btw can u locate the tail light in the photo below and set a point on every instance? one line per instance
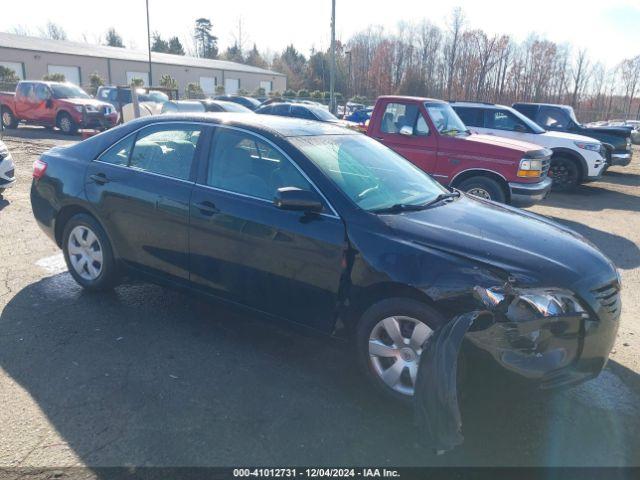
(39, 167)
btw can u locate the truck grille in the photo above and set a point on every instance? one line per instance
(546, 163)
(609, 298)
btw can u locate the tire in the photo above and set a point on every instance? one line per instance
(9, 120)
(565, 174)
(484, 187)
(66, 124)
(372, 328)
(81, 253)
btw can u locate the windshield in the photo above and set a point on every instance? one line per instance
(323, 115)
(373, 176)
(68, 90)
(527, 121)
(445, 119)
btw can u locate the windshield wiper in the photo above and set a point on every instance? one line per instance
(412, 207)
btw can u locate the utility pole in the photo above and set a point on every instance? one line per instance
(332, 72)
(149, 45)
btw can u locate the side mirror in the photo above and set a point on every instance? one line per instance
(293, 198)
(407, 131)
(48, 103)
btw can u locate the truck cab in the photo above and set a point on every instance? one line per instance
(430, 134)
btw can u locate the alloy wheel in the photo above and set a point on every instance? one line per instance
(395, 346)
(480, 192)
(85, 252)
(6, 119)
(561, 175)
(65, 124)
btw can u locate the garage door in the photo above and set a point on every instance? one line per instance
(208, 85)
(15, 66)
(231, 85)
(71, 74)
(143, 75)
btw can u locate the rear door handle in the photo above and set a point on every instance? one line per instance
(207, 208)
(99, 178)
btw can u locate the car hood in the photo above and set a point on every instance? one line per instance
(569, 136)
(614, 131)
(85, 101)
(533, 249)
(503, 142)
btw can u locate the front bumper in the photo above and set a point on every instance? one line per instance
(527, 194)
(621, 159)
(7, 173)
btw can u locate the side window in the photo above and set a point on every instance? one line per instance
(280, 110)
(501, 120)
(166, 150)
(119, 153)
(242, 163)
(301, 112)
(552, 118)
(471, 117)
(42, 93)
(398, 115)
(24, 89)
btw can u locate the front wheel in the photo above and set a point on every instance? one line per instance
(484, 187)
(564, 173)
(88, 253)
(390, 338)
(66, 124)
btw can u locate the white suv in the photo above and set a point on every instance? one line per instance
(7, 172)
(576, 159)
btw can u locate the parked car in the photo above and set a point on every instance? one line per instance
(323, 226)
(360, 116)
(250, 103)
(54, 104)
(576, 158)
(304, 111)
(119, 96)
(430, 134)
(562, 118)
(206, 105)
(7, 169)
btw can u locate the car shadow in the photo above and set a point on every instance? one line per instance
(31, 132)
(147, 376)
(624, 253)
(3, 203)
(600, 199)
(621, 178)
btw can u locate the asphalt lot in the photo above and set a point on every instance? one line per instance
(147, 376)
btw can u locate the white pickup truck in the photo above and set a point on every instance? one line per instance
(576, 159)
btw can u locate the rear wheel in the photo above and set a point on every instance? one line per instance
(9, 120)
(390, 338)
(484, 187)
(565, 174)
(66, 124)
(88, 253)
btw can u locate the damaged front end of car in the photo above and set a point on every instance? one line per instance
(547, 335)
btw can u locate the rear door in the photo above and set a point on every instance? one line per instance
(246, 250)
(141, 189)
(420, 146)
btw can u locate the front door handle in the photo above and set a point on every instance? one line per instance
(99, 178)
(379, 138)
(207, 208)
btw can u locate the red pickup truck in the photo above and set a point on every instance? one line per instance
(54, 104)
(430, 134)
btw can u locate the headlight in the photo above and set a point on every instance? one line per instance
(530, 168)
(78, 108)
(90, 108)
(594, 147)
(521, 303)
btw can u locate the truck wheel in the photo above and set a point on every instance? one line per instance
(66, 124)
(484, 187)
(390, 337)
(8, 118)
(564, 173)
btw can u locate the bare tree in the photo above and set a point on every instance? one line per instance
(452, 44)
(580, 76)
(53, 31)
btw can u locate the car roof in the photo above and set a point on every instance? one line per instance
(407, 97)
(461, 103)
(270, 124)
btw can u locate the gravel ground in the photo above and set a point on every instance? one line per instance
(147, 376)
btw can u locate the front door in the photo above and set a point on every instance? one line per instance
(418, 145)
(246, 250)
(141, 188)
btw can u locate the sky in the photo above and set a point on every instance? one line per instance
(609, 30)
